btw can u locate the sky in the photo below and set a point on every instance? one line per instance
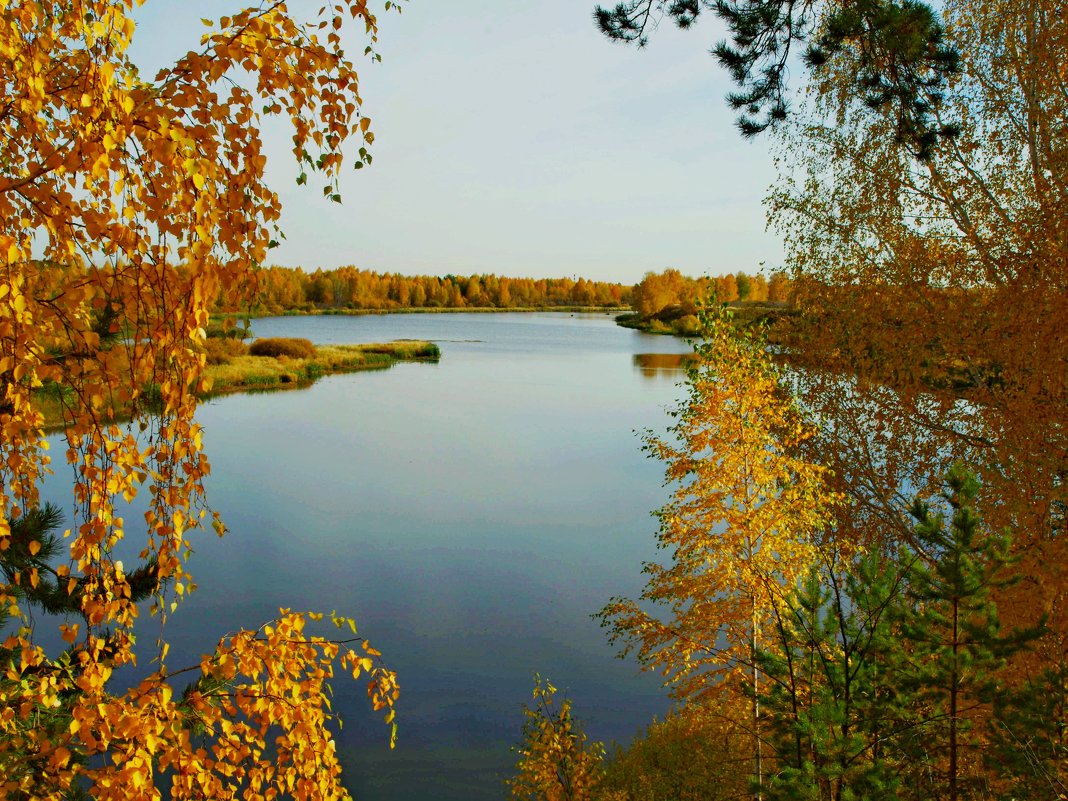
(513, 138)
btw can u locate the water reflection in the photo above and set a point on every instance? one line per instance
(660, 366)
(470, 516)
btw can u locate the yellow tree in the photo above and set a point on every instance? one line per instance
(556, 763)
(741, 526)
(696, 753)
(128, 206)
(655, 292)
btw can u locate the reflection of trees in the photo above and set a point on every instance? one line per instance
(662, 365)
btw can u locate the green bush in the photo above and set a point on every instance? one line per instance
(283, 346)
(313, 371)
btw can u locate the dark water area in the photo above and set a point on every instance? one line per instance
(471, 515)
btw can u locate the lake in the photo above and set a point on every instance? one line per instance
(471, 515)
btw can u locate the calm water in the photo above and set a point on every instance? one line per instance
(471, 515)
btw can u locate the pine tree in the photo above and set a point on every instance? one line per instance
(953, 631)
(893, 54)
(830, 705)
(883, 669)
(27, 566)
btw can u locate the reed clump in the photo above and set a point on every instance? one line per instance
(290, 347)
(261, 369)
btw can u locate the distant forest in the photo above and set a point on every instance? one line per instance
(284, 289)
(670, 290)
(288, 289)
(669, 302)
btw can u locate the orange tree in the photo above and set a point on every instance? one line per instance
(941, 286)
(925, 231)
(127, 206)
(933, 303)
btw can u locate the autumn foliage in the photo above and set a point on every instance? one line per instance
(742, 523)
(288, 289)
(127, 207)
(921, 653)
(658, 293)
(556, 760)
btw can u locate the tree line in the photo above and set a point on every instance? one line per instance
(669, 290)
(669, 302)
(280, 289)
(284, 289)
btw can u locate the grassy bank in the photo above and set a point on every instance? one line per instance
(234, 366)
(683, 322)
(243, 372)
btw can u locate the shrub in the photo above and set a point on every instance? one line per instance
(228, 329)
(224, 350)
(283, 346)
(689, 325)
(694, 754)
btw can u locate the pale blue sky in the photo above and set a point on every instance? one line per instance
(513, 138)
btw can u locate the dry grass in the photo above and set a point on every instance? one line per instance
(250, 372)
(221, 350)
(232, 369)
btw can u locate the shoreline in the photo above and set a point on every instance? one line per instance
(255, 374)
(682, 323)
(218, 316)
(248, 373)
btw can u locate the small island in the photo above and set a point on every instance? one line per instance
(289, 363)
(233, 365)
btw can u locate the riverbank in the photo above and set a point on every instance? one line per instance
(247, 372)
(683, 322)
(234, 367)
(218, 317)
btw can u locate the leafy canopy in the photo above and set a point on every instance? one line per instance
(742, 521)
(128, 205)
